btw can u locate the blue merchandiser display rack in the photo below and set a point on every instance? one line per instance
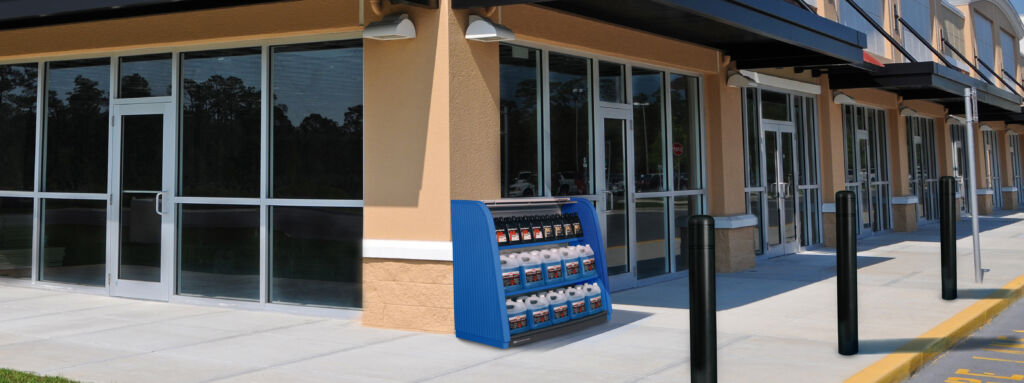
(480, 313)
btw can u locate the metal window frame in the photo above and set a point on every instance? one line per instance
(265, 203)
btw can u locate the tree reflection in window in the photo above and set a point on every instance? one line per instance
(17, 126)
(76, 126)
(317, 141)
(220, 135)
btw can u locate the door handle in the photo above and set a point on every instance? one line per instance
(158, 203)
(609, 197)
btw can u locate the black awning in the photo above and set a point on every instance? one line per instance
(34, 13)
(756, 33)
(928, 81)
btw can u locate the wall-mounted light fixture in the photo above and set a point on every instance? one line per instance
(843, 98)
(906, 111)
(738, 80)
(392, 27)
(484, 30)
(952, 119)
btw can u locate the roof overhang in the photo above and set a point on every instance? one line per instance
(34, 13)
(927, 81)
(755, 33)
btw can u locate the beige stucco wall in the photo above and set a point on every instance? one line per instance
(270, 20)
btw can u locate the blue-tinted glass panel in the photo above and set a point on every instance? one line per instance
(219, 251)
(17, 126)
(145, 76)
(318, 120)
(220, 130)
(77, 98)
(570, 100)
(16, 238)
(648, 130)
(316, 256)
(74, 242)
(686, 145)
(984, 45)
(520, 121)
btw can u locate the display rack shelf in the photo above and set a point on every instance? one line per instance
(539, 244)
(480, 313)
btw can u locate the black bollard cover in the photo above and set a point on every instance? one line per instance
(703, 337)
(947, 233)
(846, 270)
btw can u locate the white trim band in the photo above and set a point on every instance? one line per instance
(905, 200)
(399, 249)
(828, 207)
(1009, 189)
(782, 83)
(986, 192)
(735, 221)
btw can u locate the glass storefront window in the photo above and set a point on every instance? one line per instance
(683, 208)
(571, 103)
(316, 256)
(77, 99)
(651, 227)
(16, 238)
(145, 76)
(220, 130)
(648, 130)
(875, 9)
(984, 45)
(317, 139)
(74, 240)
(18, 88)
(219, 251)
(520, 121)
(612, 82)
(1008, 47)
(686, 140)
(775, 106)
(752, 138)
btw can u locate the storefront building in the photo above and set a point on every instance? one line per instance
(291, 156)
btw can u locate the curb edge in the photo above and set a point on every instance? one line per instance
(909, 358)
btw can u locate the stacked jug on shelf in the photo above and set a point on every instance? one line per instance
(552, 307)
(538, 228)
(530, 269)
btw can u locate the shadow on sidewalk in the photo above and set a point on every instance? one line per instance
(620, 318)
(916, 345)
(770, 278)
(983, 293)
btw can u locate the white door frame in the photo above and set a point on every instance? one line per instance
(778, 128)
(625, 113)
(138, 289)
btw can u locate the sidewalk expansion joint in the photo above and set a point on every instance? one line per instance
(904, 362)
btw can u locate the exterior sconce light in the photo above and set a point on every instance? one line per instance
(842, 98)
(484, 30)
(738, 80)
(392, 27)
(908, 112)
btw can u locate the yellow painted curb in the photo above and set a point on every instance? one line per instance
(898, 366)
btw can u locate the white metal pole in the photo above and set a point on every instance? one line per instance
(971, 108)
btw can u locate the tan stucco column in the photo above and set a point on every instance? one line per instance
(432, 135)
(904, 211)
(833, 165)
(734, 234)
(1006, 165)
(985, 200)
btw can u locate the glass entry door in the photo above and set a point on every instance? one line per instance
(781, 231)
(616, 190)
(141, 218)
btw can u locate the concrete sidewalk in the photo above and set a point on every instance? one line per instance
(776, 323)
